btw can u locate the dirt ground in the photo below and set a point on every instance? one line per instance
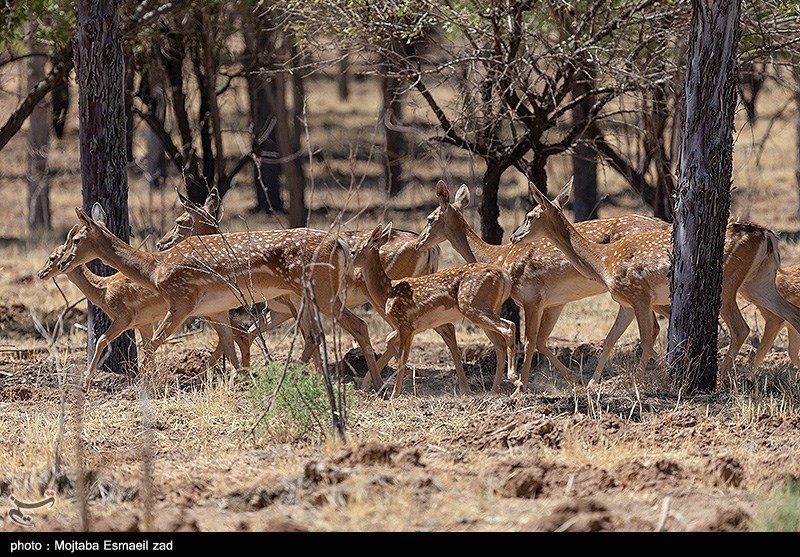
(624, 458)
(630, 456)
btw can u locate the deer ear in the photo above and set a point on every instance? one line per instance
(98, 213)
(212, 203)
(462, 196)
(84, 218)
(537, 197)
(387, 232)
(376, 233)
(72, 232)
(564, 194)
(443, 194)
(187, 203)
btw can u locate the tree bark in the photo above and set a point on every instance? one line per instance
(289, 152)
(101, 103)
(60, 106)
(394, 144)
(38, 144)
(266, 170)
(342, 78)
(703, 202)
(584, 157)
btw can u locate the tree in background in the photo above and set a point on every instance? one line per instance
(38, 143)
(100, 72)
(704, 194)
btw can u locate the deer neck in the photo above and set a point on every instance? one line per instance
(587, 257)
(92, 285)
(379, 285)
(139, 266)
(473, 248)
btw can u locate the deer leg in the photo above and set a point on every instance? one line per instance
(117, 327)
(772, 326)
(737, 328)
(533, 316)
(146, 332)
(222, 325)
(623, 320)
(448, 334)
(644, 319)
(549, 318)
(506, 331)
(405, 349)
(359, 331)
(794, 346)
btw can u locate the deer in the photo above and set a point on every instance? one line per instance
(209, 275)
(787, 282)
(635, 270)
(128, 305)
(473, 291)
(398, 253)
(543, 279)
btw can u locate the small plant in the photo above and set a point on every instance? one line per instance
(780, 512)
(300, 409)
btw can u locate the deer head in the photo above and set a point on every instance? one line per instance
(379, 236)
(50, 268)
(82, 245)
(541, 217)
(196, 220)
(445, 217)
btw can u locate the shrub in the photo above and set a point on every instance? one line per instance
(301, 409)
(781, 511)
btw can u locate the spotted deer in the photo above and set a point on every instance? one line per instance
(543, 280)
(209, 275)
(399, 257)
(635, 270)
(128, 305)
(474, 291)
(787, 282)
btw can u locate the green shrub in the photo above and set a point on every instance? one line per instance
(301, 409)
(781, 510)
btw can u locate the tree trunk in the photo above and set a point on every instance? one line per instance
(101, 103)
(584, 157)
(292, 172)
(342, 81)
(38, 143)
(155, 156)
(266, 170)
(394, 144)
(703, 203)
(797, 134)
(60, 106)
(664, 181)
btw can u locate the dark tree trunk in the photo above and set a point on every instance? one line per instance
(289, 153)
(394, 143)
(489, 209)
(266, 170)
(38, 144)
(173, 54)
(664, 180)
(101, 83)
(130, 83)
(584, 157)
(703, 203)
(342, 78)
(60, 105)
(155, 156)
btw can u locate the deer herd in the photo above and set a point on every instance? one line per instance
(303, 272)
